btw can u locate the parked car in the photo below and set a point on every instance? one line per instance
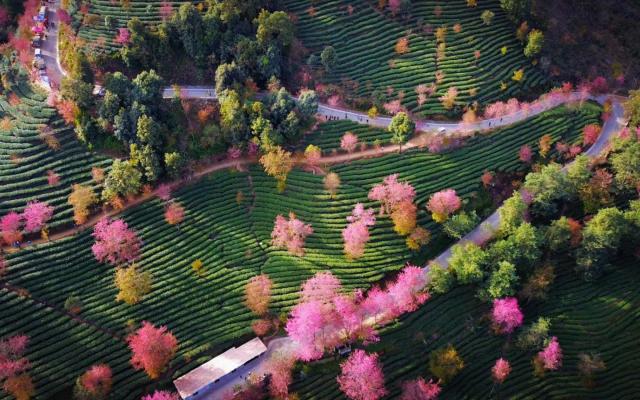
(36, 42)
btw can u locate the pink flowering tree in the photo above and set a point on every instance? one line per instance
(152, 348)
(525, 154)
(506, 314)
(10, 227)
(349, 142)
(590, 134)
(290, 234)
(500, 370)
(36, 215)
(161, 395)
(279, 366)
(443, 203)
(390, 193)
(407, 291)
(12, 360)
(95, 383)
(356, 234)
(305, 327)
(53, 179)
(166, 9)
(115, 242)
(164, 192)
(361, 377)
(420, 390)
(551, 356)
(123, 36)
(322, 287)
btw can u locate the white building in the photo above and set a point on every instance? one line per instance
(208, 374)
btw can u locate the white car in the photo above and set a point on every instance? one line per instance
(442, 129)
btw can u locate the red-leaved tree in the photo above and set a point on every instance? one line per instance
(361, 377)
(290, 234)
(280, 366)
(10, 227)
(115, 242)
(95, 383)
(590, 134)
(525, 154)
(174, 213)
(152, 348)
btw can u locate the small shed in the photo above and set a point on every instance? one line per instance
(208, 374)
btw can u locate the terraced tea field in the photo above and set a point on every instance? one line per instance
(96, 30)
(232, 238)
(364, 39)
(584, 316)
(26, 158)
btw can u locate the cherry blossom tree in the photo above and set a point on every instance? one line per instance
(500, 370)
(164, 192)
(305, 326)
(53, 179)
(166, 9)
(361, 377)
(322, 287)
(161, 395)
(551, 355)
(10, 227)
(258, 294)
(443, 203)
(94, 384)
(525, 154)
(36, 215)
(408, 289)
(290, 234)
(506, 314)
(356, 234)
(14, 366)
(279, 366)
(420, 390)
(152, 348)
(174, 213)
(115, 242)
(349, 142)
(391, 193)
(123, 36)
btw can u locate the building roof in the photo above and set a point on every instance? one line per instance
(218, 367)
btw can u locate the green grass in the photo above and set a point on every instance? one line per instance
(25, 158)
(206, 313)
(599, 317)
(365, 45)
